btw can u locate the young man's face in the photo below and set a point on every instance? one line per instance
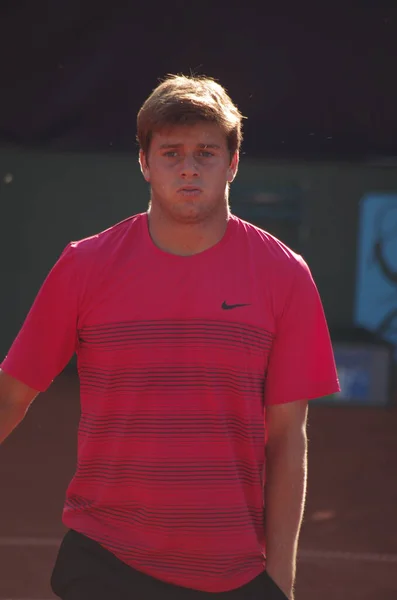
(189, 169)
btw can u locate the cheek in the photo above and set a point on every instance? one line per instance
(161, 178)
(153, 172)
(219, 177)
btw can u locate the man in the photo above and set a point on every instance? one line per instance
(199, 339)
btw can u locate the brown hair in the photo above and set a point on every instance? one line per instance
(183, 100)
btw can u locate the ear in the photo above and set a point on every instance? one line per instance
(233, 167)
(144, 166)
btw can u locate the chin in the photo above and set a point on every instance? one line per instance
(191, 213)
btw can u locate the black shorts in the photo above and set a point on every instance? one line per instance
(84, 570)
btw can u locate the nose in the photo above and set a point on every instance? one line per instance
(189, 167)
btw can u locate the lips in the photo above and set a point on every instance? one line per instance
(189, 188)
(189, 191)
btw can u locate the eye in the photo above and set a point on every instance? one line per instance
(171, 154)
(205, 153)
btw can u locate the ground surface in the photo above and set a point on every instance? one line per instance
(349, 538)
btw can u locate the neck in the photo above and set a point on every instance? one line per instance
(186, 239)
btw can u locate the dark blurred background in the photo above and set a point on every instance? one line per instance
(316, 82)
(319, 170)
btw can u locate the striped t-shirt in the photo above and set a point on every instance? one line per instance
(178, 358)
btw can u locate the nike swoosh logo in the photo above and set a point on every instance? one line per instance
(226, 306)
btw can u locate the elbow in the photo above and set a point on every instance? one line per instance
(11, 412)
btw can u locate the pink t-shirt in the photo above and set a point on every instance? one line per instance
(178, 358)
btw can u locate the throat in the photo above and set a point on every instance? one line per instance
(185, 239)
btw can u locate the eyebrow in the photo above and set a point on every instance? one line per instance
(168, 146)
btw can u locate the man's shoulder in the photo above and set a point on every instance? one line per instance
(268, 248)
(107, 239)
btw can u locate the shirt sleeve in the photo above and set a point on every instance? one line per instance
(48, 337)
(301, 364)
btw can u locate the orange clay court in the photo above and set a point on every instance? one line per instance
(348, 544)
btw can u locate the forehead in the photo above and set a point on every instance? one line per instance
(190, 135)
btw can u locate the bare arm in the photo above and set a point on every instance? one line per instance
(15, 399)
(285, 489)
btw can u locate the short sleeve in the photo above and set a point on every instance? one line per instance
(301, 364)
(48, 337)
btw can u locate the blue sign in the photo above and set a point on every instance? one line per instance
(376, 291)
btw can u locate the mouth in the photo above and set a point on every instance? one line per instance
(189, 190)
